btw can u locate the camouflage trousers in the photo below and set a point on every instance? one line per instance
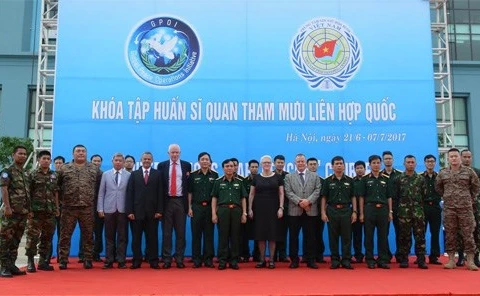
(458, 221)
(476, 236)
(40, 230)
(407, 226)
(11, 232)
(68, 221)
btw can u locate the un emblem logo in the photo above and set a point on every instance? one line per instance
(326, 53)
(163, 52)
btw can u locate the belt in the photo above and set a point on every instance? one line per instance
(377, 205)
(339, 206)
(170, 196)
(203, 203)
(230, 206)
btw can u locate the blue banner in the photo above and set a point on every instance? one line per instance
(246, 78)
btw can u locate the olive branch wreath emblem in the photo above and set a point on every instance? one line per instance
(315, 79)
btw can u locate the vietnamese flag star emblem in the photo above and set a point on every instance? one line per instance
(326, 49)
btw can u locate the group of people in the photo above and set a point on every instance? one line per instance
(268, 207)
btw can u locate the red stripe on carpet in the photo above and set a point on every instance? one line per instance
(246, 281)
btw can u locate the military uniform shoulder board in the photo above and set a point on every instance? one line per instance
(385, 175)
(348, 177)
(399, 171)
(196, 171)
(239, 178)
(220, 178)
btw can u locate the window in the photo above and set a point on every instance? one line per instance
(47, 132)
(464, 29)
(459, 120)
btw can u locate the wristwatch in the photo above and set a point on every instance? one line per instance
(281, 208)
(245, 214)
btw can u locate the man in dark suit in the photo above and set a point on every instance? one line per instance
(174, 174)
(144, 207)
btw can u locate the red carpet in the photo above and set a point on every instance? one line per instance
(246, 281)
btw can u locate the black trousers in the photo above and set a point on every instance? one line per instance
(150, 227)
(281, 246)
(433, 217)
(116, 237)
(306, 223)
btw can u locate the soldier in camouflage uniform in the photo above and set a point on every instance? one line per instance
(409, 191)
(458, 185)
(44, 200)
(15, 209)
(78, 181)
(467, 161)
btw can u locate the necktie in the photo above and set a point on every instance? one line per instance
(116, 178)
(145, 177)
(173, 180)
(302, 178)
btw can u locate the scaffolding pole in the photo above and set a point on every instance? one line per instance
(45, 73)
(442, 75)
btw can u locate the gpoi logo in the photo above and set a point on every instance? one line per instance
(326, 53)
(163, 51)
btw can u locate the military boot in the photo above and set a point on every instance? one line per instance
(470, 264)
(475, 260)
(31, 264)
(5, 271)
(16, 271)
(451, 261)
(461, 259)
(44, 265)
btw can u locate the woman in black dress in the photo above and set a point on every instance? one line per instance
(266, 201)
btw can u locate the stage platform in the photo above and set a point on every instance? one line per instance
(246, 281)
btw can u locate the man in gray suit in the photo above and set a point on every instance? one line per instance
(111, 206)
(302, 189)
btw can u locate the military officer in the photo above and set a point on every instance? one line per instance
(458, 185)
(200, 184)
(229, 210)
(45, 207)
(432, 209)
(376, 212)
(409, 191)
(357, 226)
(253, 169)
(16, 206)
(390, 171)
(339, 209)
(79, 182)
(281, 246)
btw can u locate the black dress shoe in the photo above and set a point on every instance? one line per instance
(293, 265)
(347, 266)
(45, 266)
(135, 266)
(312, 265)
(261, 264)
(271, 265)
(383, 266)
(122, 265)
(358, 260)
(404, 264)
(197, 265)
(5, 273)
(371, 266)
(87, 264)
(209, 264)
(154, 266)
(434, 261)
(107, 266)
(16, 271)
(97, 259)
(180, 265)
(222, 266)
(62, 265)
(422, 265)
(334, 265)
(167, 265)
(234, 266)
